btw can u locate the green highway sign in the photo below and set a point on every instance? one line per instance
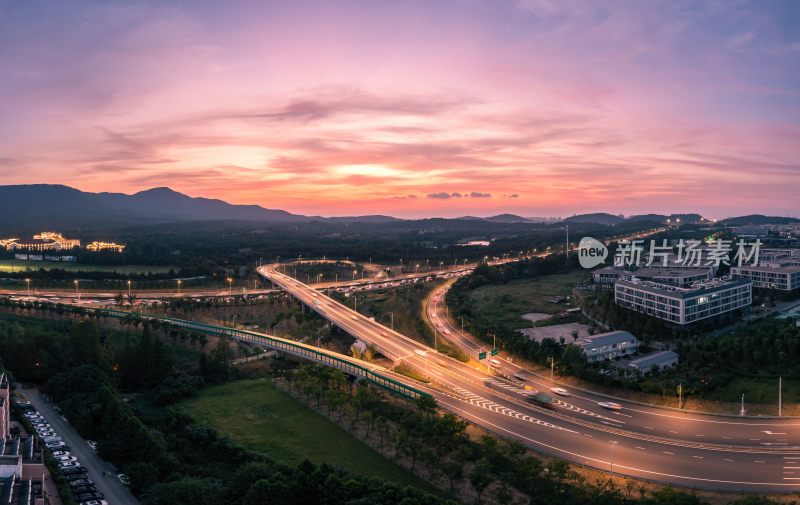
(482, 355)
(495, 351)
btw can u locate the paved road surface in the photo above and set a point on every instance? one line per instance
(644, 419)
(591, 436)
(111, 487)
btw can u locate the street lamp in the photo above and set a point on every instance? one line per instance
(230, 286)
(29, 287)
(179, 287)
(354, 275)
(129, 289)
(77, 293)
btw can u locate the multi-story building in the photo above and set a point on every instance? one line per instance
(607, 346)
(22, 471)
(676, 276)
(684, 305)
(105, 246)
(777, 274)
(45, 241)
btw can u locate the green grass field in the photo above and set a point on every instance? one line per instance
(8, 265)
(508, 302)
(256, 415)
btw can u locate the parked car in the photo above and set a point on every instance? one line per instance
(92, 444)
(59, 445)
(75, 472)
(81, 482)
(94, 502)
(126, 481)
(68, 464)
(68, 457)
(84, 489)
(97, 495)
(61, 453)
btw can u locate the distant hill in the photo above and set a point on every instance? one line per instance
(42, 206)
(661, 218)
(500, 218)
(597, 218)
(758, 219)
(507, 218)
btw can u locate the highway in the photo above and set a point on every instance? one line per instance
(578, 430)
(644, 419)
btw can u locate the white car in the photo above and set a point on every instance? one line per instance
(92, 444)
(66, 458)
(68, 464)
(61, 453)
(560, 391)
(610, 405)
(94, 502)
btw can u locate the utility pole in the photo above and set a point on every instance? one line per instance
(742, 411)
(567, 241)
(780, 400)
(680, 395)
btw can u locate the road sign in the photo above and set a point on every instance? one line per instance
(482, 355)
(495, 351)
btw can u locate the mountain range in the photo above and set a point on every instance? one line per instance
(48, 206)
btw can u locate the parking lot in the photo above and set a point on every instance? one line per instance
(90, 476)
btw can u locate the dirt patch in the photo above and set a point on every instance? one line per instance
(557, 331)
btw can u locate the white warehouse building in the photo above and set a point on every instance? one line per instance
(607, 346)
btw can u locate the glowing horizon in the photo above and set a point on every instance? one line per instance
(532, 107)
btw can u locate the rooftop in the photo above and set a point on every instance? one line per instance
(611, 337)
(694, 289)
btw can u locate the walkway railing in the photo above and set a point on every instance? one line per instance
(328, 358)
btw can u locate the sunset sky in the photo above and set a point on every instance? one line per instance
(410, 108)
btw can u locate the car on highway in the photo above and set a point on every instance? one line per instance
(542, 400)
(610, 405)
(560, 391)
(494, 362)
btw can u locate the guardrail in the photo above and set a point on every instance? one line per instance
(343, 363)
